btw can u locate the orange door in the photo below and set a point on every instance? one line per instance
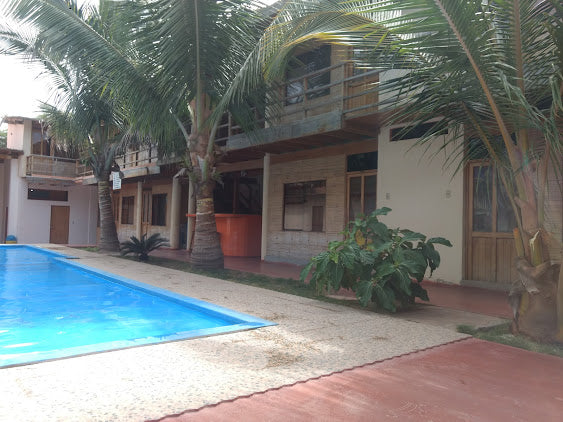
(59, 224)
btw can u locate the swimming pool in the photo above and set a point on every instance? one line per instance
(51, 308)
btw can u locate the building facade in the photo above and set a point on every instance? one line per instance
(41, 198)
(292, 187)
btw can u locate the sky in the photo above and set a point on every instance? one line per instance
(21, 88)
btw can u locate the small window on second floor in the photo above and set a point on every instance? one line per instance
(414, 132)
(304, 64)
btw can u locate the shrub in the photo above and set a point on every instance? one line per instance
(379, 264)
(141, 248)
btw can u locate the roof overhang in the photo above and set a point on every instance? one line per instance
(7, 153)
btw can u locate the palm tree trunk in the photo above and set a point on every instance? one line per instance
(108, 232)
(206, 251)
(536, 307)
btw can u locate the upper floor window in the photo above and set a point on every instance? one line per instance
(304, 64)
(40, 143)
(414, 132)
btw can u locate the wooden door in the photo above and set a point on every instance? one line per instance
(146, 211)
(59, 224)
(490, 222)
(360, 92)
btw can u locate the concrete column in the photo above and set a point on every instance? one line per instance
(191, 220)
(265, 203)
(175, 214)
(139, 211)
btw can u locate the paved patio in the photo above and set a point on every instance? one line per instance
(312, 339)
(470, 380)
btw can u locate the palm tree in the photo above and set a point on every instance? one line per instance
(193, 49)
(164, 59)
(497, 70)
(493, 69)
(86, 115)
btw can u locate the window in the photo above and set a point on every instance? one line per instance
(414, 132)
(305, 64)
(47, 195)
(127, 204)
(304, 206)
(361, 162)
(159, 210)
(362, 184)
(40, 143)
(491, 209)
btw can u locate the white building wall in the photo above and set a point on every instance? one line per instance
(29, 219)
(83, 220)
(424, 197)
(14, 198)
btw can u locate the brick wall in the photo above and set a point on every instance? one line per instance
(299, 246)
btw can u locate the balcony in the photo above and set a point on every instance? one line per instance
(44, 166)
(306, 115)
(133, 163)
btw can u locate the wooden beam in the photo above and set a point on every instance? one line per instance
(241, 165)
(323, 123)
(348, 148)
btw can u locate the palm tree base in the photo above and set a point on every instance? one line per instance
(207, 253)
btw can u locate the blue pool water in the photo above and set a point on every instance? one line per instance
(51, 307)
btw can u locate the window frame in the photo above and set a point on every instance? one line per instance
(128, 217)
(158, 217)
(285, 203)
(362, 174)
(310, 63)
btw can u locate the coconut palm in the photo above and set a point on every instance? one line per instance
(495, 68)
(490, 72)
(193, 49)
(85, 114)
(165, 59)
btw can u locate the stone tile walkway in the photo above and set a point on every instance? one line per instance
(470, 380)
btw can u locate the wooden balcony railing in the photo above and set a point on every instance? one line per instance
(350, 90)
(53, 167)
(68, 168)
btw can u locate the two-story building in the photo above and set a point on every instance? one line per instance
(41, 198)
(325, 159)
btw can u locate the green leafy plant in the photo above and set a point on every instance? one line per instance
(142, 248)
(379, 264)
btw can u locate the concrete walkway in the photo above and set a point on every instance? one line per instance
(312, 339)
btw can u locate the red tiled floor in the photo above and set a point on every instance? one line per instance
(472, 299)
(471, 380)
